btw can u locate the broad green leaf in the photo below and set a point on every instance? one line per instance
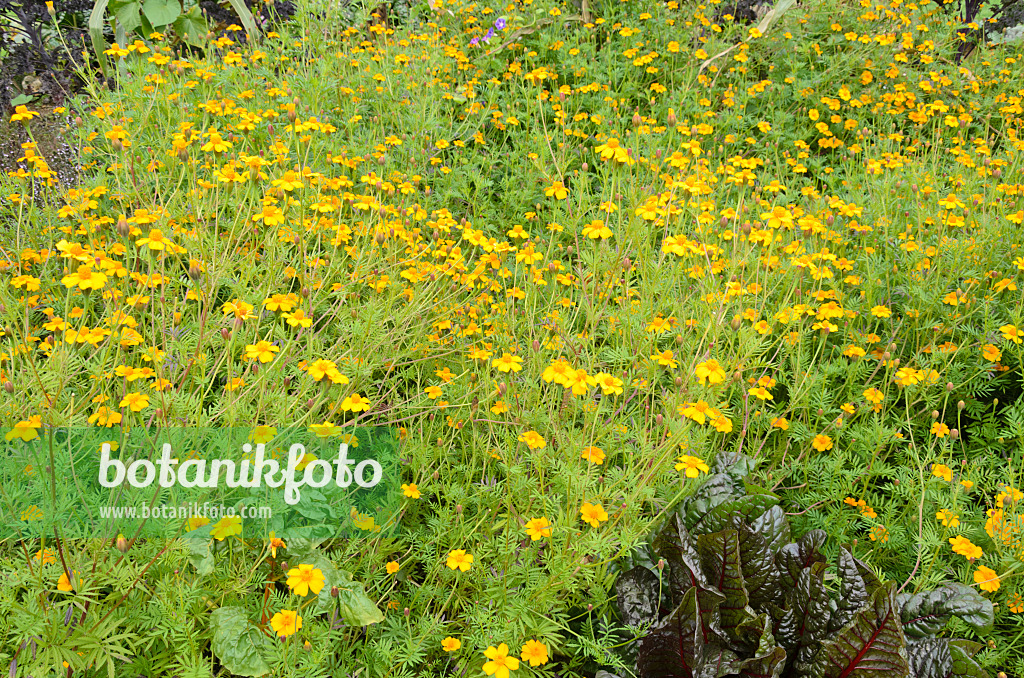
(925, 614)
(354, 606)
(760, 574)
(929, 658)
(853, 592)
(872, 644)
(769, 658)
(237, 643)
(674, 647)
(962, 652)
(729, 514)
(773, 527)
(161, 12)
(720, 560)
(201, 555)
(803, 625)
(675, 546)
(793, 558)
(638, 595)
(127, 14)
(192, 27)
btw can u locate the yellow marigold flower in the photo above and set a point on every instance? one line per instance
(262, 350)
(692, 466)
(460, 560)
(942, 471)
(136, 402)
(614, 151)
(305, 578)
(286, 622)
(874, 396)
(25, 430)
(65, 584)
(595, 455)
(450, 644)
(556, 190)
(710, 371)
(986, 578)
(881, 312)
(537, 528)
(500, 663)
(410, 490)
(939, 430)
(780, 422)
(392, 567)
(948, 518)
(22, 113)
(609, 385)
(991, 353)
(508, 363)
(593, 514)
(1011, 333)
(535, 652)
(722, 424)
(963, 546)
(533, 440)
(226, 527)
(355, 403)
(821, 443)
(596, 229)
(1015, 603)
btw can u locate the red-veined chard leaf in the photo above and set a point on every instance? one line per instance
(870, 646)
(925, 614)
(804, 622)
(792, 559)
(964, 666)
(638, 592)
(720, 558)
(853, 592)
(675, 647)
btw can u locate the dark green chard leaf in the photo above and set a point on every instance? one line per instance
(760, 574)
(720, 558)
(719, 488)
(793, 558)
(853, 592)
(872, 644)
(733, 513)
(675, 647)
(638, 593)
(746, 602)
(925, 614)
(769, 659)
(773, 527)
(675, 546)
(929, 658)
(962, 652)
(804, 622)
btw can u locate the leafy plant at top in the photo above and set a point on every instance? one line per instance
(741, 599)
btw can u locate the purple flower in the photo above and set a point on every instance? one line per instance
(490, 34)
(474, 42)
(500, 24)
